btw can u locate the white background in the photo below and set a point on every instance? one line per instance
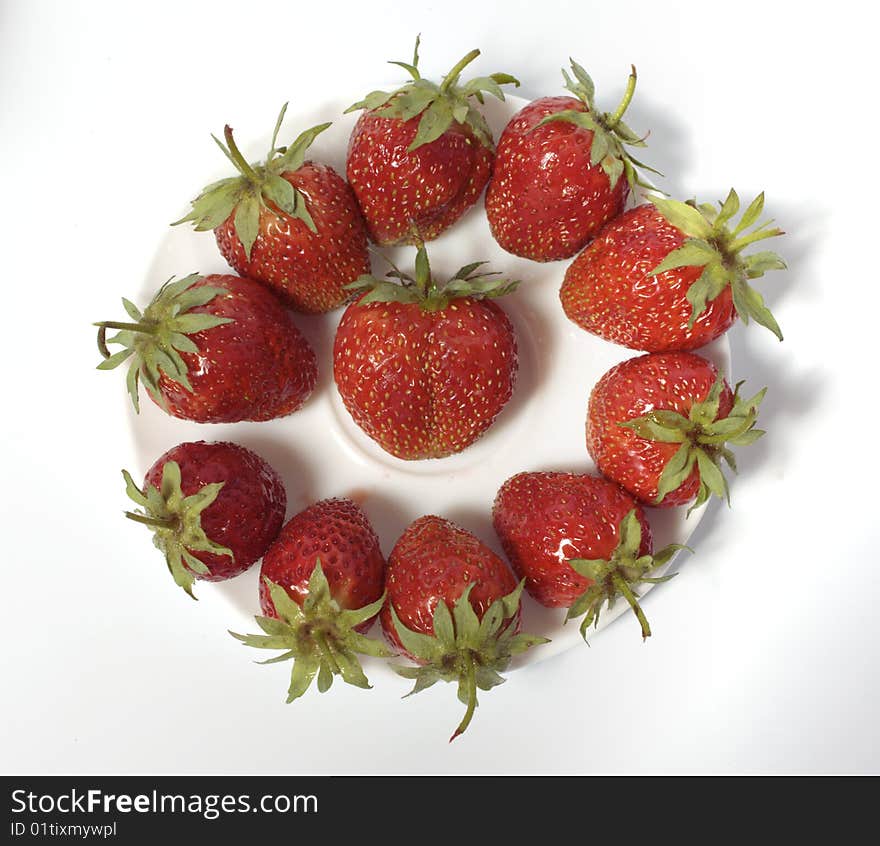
(765, 656)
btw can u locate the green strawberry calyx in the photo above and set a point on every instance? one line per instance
(156, 337)
(703, 440)
(423, 290)
(318, 636)
(465, 649)
(620, 575)
(717, 247)
(176, 521)
(611, 136)
(438, 105)
(258, 186)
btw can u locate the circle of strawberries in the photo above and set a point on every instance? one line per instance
(425, 365)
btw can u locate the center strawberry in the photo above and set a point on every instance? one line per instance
(424, 368)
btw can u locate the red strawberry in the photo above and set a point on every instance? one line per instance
(424, 368)
(558, 169)
(420, 156)
(453, 607)
(337, 532)
(214, 349)
(321, 585)
(578, 541)
(671, 276)
(214, 509)
(289, 223)
(657, 425)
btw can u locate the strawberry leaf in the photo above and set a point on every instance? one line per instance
(436, 119)
(281, 193)
(247, 221)
(464, 649)
(317, 636)
(372, 101)
(155, 341)
(684, 217)
(256, 186)
(695, 252)
(618, 576)
(713, 244)
(438, 105)
(610, 136)
(423, 290)
(583, 89)
(702, 438)
(176, 522)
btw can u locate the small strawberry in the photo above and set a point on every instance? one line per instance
(424, 368)
(453, 607)
(291, 224)
(558, 169)
(420, 156)
(321, 586)
(578, 541)
(671, 276)
(214, 349)
(214, 509)
(658, 424)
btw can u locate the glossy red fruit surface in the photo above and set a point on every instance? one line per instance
(248, 512)
(433, 561)
(257, 367)
(309, 270)
(337, 533)
(411, 196)
(545, 519)
(609, 290)
(673, 381)
(425, 384)
(546, 200)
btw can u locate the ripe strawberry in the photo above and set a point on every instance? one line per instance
(321, 586)
(214, 349)
(289, 223)
(337, 532)
(557, 175)
(657, 425)
(420, 156)
(424, 368)
(671, 276)
(578, 541)
(437, 567)
(214, 509)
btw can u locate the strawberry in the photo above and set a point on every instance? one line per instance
(214, 349)
(424, 368)
(291, 224)
(558, 170)
(578, 541)
(321, 586)
(657, 425)
(671, 276)
(453, 607)
(214, 508)
(420, 156)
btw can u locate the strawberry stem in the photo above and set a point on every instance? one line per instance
(103, 326)
(622, 585)
(453, 75)
(614, 118)
(470, 683)
(240, 162)
(155, 522)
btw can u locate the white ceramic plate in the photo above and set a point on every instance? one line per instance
(319, 451)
